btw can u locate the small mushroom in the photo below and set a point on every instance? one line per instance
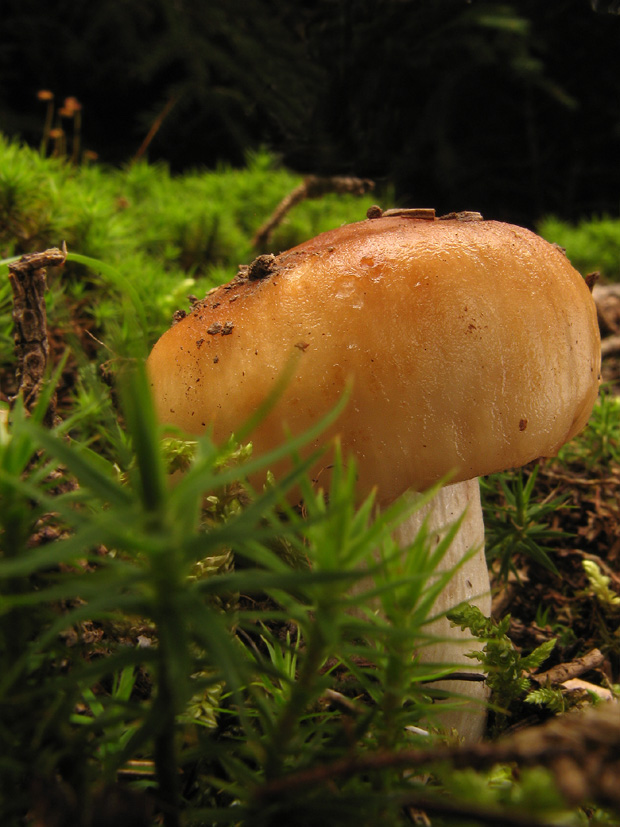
(472, 347)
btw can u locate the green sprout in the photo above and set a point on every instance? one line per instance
(515, 523)
(599, 585)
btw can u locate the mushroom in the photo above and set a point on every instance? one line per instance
(472, 346)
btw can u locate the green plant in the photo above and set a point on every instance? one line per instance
(125, 552)
(204, 647)
(516, 523)
(506, 667)
(41, 737)
(561, 629)
(598, 445)
(28, 200)
(107, 715)
(548, 697)
(592, 244)
(162, 237)
(599, 585)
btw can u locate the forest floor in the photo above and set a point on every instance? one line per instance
(547, 605)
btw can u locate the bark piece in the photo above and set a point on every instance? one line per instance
(28, 282)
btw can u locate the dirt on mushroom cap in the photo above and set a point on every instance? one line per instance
(471, 347)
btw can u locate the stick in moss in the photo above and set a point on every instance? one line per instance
(28, 282)
(313, 186)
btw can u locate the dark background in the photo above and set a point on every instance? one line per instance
(512, 109)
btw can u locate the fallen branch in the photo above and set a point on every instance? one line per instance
(565, 671)
(28, 283)
(582, 749)
(313, 186)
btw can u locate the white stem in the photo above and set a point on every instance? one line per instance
(470, 584)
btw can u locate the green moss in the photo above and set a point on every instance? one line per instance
(592, 245)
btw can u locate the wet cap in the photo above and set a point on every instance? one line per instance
(472, 346)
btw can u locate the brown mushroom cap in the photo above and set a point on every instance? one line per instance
(472, 347)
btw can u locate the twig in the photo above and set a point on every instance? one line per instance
(564, 671)
(313, 186)
(28, 283)
(582, 749)
(154, 129)
(341, 702)
(582, 481)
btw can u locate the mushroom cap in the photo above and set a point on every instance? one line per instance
(472, 346)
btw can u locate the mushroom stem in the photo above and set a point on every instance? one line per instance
(470, 584)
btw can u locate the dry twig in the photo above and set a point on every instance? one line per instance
(28, 283)
(565, 671)
(313, 186)
(582, 749)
